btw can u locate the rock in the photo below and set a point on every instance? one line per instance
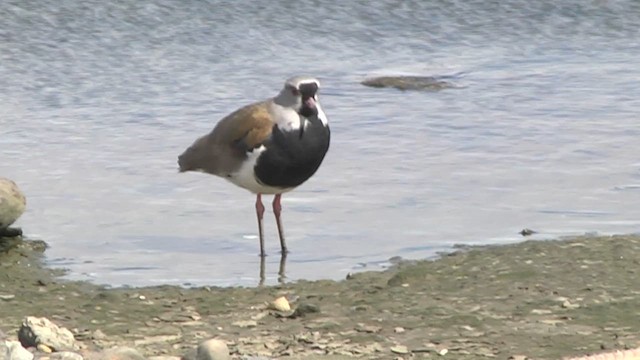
(304, 309)
(372, 329)
(213, 349)
(44, 348)
(10, 232)
(118, 353)
(618, 354)
(157, 339)
(568, 305)
(280, 304)
(189, 355)
(527, 232)
(12, 203)
(13, 350)
(7, 297)
(41, 331)
(399, 349)
(65, 355)
(98, 335)
(408, 82)
(245, 323)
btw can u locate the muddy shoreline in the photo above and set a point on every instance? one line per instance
(539, 299)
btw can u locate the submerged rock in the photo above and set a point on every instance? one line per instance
(408, 82)
(12, 205)
(41, 331)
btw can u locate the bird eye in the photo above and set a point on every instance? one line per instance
(295, 92)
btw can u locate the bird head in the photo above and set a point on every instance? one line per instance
(300, 94)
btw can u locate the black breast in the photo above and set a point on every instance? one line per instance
(292, 157)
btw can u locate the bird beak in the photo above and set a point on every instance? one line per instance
(310, 103)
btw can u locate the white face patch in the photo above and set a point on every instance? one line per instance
(245, 176)
(321, 115)
(286, 118)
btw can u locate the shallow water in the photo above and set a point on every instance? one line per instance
(98, 99)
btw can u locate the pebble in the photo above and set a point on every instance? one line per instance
(41, 331)
(518, 357)
(567, 305)
(44, 348)
(98, 335)
(368, 328)
(245, 323)
(65, 355)
(157, 339)
(213, 349)
(118, 353)
(13, 350)
(400, 349)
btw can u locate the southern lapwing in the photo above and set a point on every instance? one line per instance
(269, 147)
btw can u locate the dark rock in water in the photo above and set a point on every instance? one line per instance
(527, 232)
(10, 232)
(409, 82)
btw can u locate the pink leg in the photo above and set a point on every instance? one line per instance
(277, 209)
(260, 213)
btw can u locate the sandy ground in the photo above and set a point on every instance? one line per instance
(540, 299)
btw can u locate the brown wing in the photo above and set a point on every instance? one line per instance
(223, 150)
(248, 126)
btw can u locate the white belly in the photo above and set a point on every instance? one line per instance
(245, 176)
